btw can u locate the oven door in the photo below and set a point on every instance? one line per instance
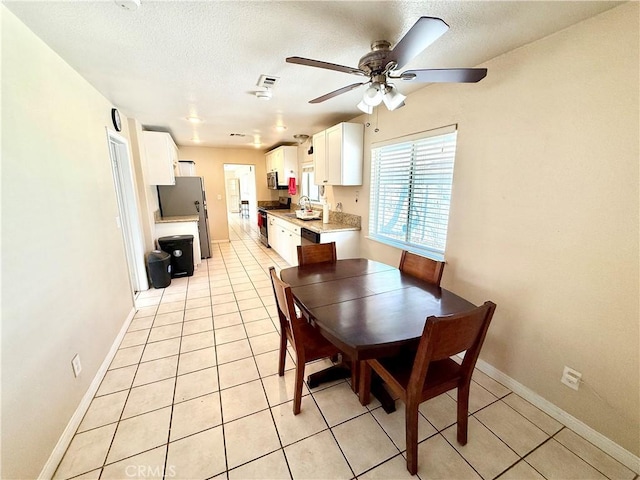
(262, 224)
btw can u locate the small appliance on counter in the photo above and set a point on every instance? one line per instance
(187, 168)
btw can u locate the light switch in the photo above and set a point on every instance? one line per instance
(219, 197)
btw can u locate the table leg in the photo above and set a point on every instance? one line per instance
(335, 372)
(378, 391)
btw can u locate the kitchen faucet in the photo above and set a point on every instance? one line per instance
(304, 200)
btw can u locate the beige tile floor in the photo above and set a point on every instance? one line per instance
(193, 392)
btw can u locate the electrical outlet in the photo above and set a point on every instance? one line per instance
(76, 365)
(571, 378)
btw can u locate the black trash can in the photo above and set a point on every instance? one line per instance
(159, 264)
(180, 247)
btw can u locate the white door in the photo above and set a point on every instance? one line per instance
(233, 195)
(127, 206)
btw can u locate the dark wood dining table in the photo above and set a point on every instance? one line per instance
(366, 308)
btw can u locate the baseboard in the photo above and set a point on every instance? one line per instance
(65, 439)
(224, 240)
(605, 444)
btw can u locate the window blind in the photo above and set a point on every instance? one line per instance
(411, 193)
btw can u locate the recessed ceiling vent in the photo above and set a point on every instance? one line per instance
(267, 81)
(237, 135)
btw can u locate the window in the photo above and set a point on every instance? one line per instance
(411, 191)
(307, 187)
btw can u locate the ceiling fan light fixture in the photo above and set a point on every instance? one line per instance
(392, 98)
(364, 107)
(373, 95)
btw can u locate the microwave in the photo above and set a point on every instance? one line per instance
(272, 180)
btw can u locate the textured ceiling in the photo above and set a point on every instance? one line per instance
(171, 59)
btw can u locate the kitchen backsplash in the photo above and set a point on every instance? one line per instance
(346, 218)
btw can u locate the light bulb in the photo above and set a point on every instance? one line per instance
(392, 98)
(373, 95)
(365, 108)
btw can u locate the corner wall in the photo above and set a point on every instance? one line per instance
(65, 287)
(544, 216)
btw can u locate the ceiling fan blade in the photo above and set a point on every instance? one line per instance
(423, 33)
(453, 75)
(329, 66)
(335, 93)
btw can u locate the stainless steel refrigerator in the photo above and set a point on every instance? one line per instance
(187, 197)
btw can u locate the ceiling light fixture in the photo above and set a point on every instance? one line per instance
(264, 94)
(373, 95)
(365, 108)
(301, 138)
(392, 98)
(194, 119)
(280, 128)
(378, 93)
(128, 4)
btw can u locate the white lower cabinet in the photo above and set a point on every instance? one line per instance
(347, 243)
(284, 238)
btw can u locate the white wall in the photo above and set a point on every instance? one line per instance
(65, 288)
(544, 217)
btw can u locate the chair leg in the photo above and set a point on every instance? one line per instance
(364, 387)
(297, 393)
(463, 413)
(411, 429)
(283, 353)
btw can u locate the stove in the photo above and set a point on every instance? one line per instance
(284, 203)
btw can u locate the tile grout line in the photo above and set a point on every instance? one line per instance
(175, 384)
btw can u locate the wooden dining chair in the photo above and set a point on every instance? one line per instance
(305, 339)
(320, 253)
(429, 372)
(316, 253)
(421, 267)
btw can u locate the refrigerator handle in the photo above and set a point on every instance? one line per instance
(197, 204)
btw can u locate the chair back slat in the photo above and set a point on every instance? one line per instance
(444, 337)
(421, 267)
(316, 253)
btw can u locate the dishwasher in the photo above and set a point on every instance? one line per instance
(308, 237)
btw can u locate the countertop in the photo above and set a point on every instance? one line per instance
(313, 225)
(178, 218)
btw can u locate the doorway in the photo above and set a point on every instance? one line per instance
(240, 185)
(129, 220)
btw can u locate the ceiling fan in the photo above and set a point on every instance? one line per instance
(383, 63)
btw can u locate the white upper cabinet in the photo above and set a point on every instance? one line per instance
(337, 155)
(162, 158)
(283, 160)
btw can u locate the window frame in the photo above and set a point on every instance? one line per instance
(309, 185)
(427, 195)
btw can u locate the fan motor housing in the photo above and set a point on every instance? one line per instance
(375, 61)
